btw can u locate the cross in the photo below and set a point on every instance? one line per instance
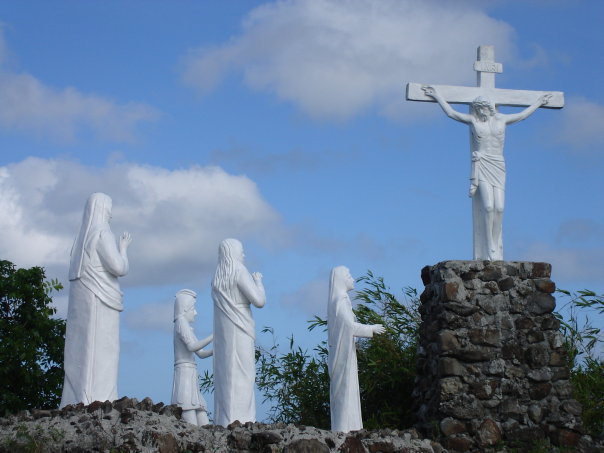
(487, 127)
(485, 68)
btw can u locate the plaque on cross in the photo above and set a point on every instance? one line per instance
(487, 127)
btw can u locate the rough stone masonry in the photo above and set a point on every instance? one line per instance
(492, 367)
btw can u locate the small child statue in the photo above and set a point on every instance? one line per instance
(185, 389)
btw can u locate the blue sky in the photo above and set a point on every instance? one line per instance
(284, 124)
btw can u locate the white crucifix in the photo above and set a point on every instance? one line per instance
(487, 135)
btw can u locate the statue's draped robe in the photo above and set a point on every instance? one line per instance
(344, 396)
(185, 387)
(234, 359)
(92, 342)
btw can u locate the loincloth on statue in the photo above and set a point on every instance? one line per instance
(489, 168)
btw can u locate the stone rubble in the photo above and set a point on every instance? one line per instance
(127, 425)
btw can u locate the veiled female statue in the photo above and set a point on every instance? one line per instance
(234, 290)
(342, 328)
(185, 387)
(92, 340)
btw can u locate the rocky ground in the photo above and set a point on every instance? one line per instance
(127, 425)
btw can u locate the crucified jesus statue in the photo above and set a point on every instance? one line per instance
(487, 180)
(487, 127)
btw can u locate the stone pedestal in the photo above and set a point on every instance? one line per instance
(492, 365)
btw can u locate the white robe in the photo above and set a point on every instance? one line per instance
(92, 342)
(344, 395)
(234, 356)
(185, 387)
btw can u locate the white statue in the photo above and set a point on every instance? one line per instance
(342, 328)
(92, 340)
(487, 177)
(234, 289)
(487, 127)
(185, 387)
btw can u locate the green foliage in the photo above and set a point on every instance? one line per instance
(387, 363)
(31, 341)
(588, 385)
(297, 383)
(580, 336)
(583, 343)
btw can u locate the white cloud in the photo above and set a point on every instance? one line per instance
(311, 298)
(580, 231)
(569, 264)
(334, 59)
(28, 105)
(580, 124)
(151, 316)
(176, 217)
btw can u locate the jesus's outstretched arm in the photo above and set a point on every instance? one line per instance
(450, 112)
(515, 117)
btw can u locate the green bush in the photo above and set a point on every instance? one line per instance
(584, 345)
(31, 341)
(387, 363)
(296, 382)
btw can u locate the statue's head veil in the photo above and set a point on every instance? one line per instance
(337, 287)
(338, 305)
(337, 282)
(185, 300)
(93, 219)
